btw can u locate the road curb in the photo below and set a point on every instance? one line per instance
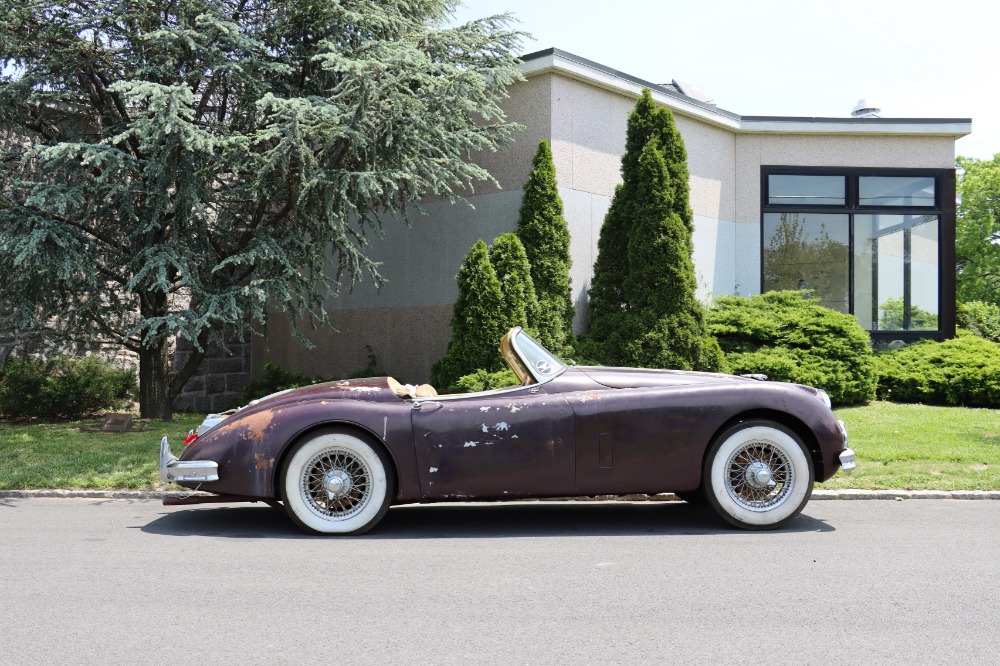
(818, 494)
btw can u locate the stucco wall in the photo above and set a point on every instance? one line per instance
(406, 321)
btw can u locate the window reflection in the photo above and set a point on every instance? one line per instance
(896, 272)
(896, 191)
(808, 251)
(805, 190)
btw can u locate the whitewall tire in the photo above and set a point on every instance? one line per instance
(758, 475)
(336, 482)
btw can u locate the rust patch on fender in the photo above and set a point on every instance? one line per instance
(590, 395)
(262, 462)
(253, 426)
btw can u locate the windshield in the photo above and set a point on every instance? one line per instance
(539, 361)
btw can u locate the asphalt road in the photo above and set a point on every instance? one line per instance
(86, 581)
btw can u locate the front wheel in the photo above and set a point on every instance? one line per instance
(758, 475)
(337, 483)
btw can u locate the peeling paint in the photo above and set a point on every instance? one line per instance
(484, 409)
(590, 395)
(385, 426)
(486, 428)
(502, 426)
(470, 444)
(513, 407)
(262, 462)
(514, 437)
(433, 469)
(364, 389)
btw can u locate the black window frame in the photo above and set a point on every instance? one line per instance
(944, 208)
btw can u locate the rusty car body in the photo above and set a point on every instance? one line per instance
(338, 454)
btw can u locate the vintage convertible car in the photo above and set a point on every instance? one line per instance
(338, 454)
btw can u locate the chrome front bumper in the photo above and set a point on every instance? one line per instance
(847, 460)
(846, 456)
(172, 469)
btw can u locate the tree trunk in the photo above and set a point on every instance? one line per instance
(155, 401)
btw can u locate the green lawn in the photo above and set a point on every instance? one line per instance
(919, 447)
(76, 455)
(913, 447)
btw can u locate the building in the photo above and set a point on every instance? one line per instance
(859, 209)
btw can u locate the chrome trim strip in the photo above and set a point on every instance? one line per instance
(172, 469)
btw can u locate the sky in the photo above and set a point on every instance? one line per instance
(913, 58)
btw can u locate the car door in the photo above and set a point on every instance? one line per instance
(514, 443)
(639, 440)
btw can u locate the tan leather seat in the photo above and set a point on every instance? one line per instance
(425, 391)
(409, 390)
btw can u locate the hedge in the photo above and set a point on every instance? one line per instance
(63, 388)
(790, 337)
(962, 371)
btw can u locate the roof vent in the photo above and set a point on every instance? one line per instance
(865, 109)
(692, 90)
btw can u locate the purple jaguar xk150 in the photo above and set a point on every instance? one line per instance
(338, 454)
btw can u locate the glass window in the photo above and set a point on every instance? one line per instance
(540, 361)
(896, 272)
(808, 251)
(896, 191)
(805, 190)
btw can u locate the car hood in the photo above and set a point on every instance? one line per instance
(648, 378)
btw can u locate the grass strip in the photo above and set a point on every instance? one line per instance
(76, 455)
(921, 447)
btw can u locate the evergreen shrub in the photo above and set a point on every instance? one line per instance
(643, 310)
(63, 388)
(790, 337)
(477, 321)
(483, 380)
(981, 319)
(542, 229)
(961, 371)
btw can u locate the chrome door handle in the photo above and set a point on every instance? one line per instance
(426, 406)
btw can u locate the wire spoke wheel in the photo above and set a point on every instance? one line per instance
(337, 483)
(758, 475)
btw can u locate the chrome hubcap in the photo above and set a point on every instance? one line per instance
(759, 475)
(337, 483)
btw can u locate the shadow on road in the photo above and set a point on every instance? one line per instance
(477, 521)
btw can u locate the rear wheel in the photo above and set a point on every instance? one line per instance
(758, 475)
(337, 483)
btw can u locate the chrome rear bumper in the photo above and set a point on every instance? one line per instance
(172, 469)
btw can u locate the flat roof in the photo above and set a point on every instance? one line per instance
(588, 71)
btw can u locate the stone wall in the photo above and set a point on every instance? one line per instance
(220, 379)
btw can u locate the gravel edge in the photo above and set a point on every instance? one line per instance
(844, 494)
